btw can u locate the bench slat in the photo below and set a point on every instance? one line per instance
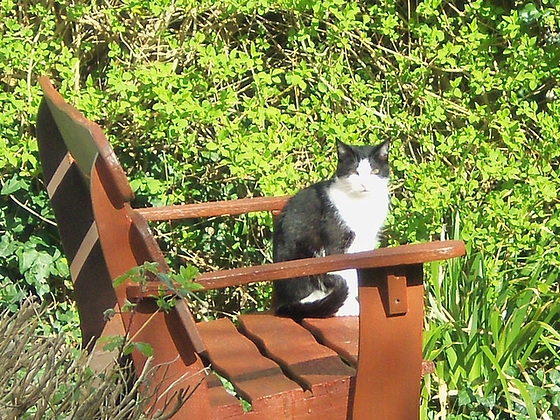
(257, 379)
(339, 333)
(311, 364)
(223, 403)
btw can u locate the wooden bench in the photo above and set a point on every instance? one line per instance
(334, 368)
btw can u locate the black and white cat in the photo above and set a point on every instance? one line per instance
(342, 215)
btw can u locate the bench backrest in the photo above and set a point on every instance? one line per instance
(68, 146)
(73, 152)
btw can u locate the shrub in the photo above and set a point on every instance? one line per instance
(47, 379)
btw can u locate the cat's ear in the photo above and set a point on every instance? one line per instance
(383, 151)
(343, 149)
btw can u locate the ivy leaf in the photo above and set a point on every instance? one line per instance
(13, 185)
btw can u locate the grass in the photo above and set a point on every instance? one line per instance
(496, 340)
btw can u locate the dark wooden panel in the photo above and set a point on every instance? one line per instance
(219, 208)
(52, 149)
(72, 209)
(94, 294)
(257, 379)
(338, 333)
(84, 139)
(311, 364)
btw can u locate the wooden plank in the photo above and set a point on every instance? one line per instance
(311, 364)
(256, 378)
(338, 333)
(217, 208)
(388, 381)
(341, 335)
(185, 315)
(382, 257)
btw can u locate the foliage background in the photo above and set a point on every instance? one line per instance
(221, 100)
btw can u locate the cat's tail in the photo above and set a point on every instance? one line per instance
(320, 308)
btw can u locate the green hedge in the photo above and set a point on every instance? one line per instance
(220, 100)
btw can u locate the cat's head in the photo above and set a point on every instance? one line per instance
(363, 169)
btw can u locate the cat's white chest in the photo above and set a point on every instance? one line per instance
(364, 214)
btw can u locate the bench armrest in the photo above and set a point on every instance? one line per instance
(383, 257)
(211, 209)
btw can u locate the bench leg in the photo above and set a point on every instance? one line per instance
(390, 350)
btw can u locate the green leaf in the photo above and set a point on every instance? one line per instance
(112, 343)
(121, 279)
(529, 13)
(144, 348)
(527, 399)
(554, 376)
(187, 273)
(13, 185)
(165, 279)
(108, 314)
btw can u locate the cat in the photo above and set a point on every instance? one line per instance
(344, 214)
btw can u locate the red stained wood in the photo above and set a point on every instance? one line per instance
(257, 379)
(382, 257)
(224, 405)
(312, 365)
(391, 346)
(338, 333)
(397, 294)
(176, 364)
(341, 335)
(220, 208)
(124, 247)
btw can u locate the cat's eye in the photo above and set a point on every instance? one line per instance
(375, 171)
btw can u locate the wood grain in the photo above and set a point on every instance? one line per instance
(257, 379)
(217, 208)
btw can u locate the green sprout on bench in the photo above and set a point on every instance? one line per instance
(172, 286)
